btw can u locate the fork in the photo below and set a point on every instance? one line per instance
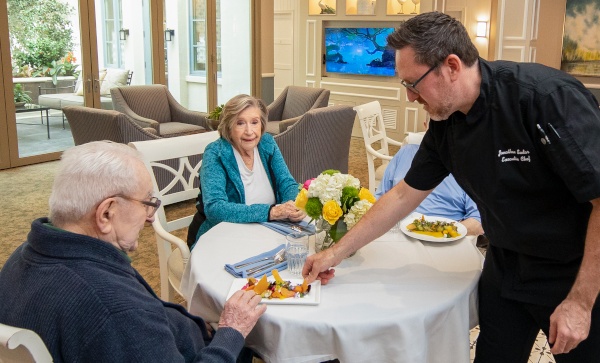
(262, 259)
(279, 258)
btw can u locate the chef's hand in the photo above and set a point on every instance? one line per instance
(569, 326)
(318, 266)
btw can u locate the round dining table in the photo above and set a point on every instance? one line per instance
(397, 299)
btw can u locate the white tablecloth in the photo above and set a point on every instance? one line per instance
(396, 300)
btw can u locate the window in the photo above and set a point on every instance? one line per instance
(113, 23)
(198, 38)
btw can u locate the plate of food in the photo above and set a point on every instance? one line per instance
(433, 229)
(275, 290)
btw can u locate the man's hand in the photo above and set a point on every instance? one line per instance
(569, 326)
(317, 266)
(241, 312)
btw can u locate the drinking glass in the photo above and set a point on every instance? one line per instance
(296, 251)
(396, 227)
(401, 2)
(416, 2)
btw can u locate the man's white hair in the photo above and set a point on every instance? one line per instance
(90, 173)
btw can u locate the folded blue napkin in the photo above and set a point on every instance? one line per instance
(255, 262)
(285, 228)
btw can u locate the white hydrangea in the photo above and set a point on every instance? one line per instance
(326, 188)
(356, 212)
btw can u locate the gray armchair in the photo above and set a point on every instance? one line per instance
(292, 103)
(91, 124)
(154, 106)
(320, 140)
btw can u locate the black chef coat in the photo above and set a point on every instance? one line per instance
(531, 186)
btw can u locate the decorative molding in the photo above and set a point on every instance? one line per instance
(532, 54)
(350, 89)
(311, 43)
(535, 19)
(524, 18)
(310, 83)
(411, 113)
(519, 48)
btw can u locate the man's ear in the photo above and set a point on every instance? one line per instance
(455, 65)
(105, 214)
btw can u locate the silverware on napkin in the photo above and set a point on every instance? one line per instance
(281, 252)
(279, 258)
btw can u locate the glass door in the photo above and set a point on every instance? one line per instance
(214, 52)
(65, 52)
(233, 49)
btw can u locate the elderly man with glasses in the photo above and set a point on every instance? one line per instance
(73, 284)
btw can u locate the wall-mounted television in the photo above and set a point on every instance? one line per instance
(360, 51)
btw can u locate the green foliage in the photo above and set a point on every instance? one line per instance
(215, 114)
(20, 94)
(40, 31)
(330, 172)
(338, 230)
(349, 197)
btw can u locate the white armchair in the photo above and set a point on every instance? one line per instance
(376, 141)
(174, 164)
(22, 345)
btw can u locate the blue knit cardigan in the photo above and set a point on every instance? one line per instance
(223, 191)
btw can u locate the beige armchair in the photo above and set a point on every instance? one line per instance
(154, 106)
(320, 140)
(91, 124)
(292, 103)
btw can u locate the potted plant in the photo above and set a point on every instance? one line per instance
(21, 96)
(214, 117)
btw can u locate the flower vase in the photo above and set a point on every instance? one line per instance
(324, 235)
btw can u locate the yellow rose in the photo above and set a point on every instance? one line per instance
(302, 198)
(366, 195)
(331, 212)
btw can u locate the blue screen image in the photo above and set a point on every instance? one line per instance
(360, 51)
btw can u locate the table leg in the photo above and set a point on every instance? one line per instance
(47, 123)
(42, 116)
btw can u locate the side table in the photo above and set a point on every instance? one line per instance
(33, 107)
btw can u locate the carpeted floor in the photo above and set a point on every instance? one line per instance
(25, 192)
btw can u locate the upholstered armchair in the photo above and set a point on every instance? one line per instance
(292, 103)
(318, 141)
(91, 124)
(154, 106)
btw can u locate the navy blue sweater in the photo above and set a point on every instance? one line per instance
(88, 304)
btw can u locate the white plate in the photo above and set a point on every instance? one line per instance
(312, 298)
(462, 230)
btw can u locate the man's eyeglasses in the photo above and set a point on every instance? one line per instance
(152, 205)
(412, 86)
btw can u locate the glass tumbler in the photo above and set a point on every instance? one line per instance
(296, 251)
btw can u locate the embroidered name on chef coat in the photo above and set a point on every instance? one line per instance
(519, 155)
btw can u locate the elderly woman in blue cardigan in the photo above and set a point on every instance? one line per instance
(243, 176)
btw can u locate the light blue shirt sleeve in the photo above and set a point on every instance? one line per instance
(447, 200)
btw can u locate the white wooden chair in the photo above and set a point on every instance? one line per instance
(22, 346)
(174, 164)
(376, 141)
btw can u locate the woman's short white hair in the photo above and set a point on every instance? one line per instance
(90, 173)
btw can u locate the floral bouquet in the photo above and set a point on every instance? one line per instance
(337, 202)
